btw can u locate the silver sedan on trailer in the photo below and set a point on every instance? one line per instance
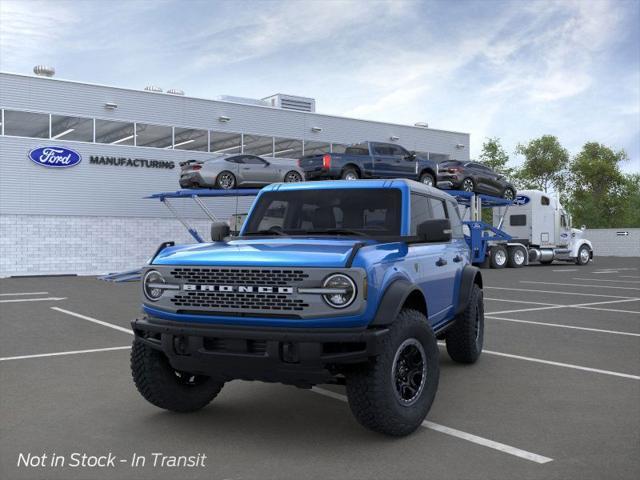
(235, 171)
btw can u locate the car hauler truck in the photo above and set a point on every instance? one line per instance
(532, 228)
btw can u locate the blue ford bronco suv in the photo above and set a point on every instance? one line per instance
(328, 282)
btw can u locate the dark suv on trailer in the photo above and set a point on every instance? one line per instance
(475, 177)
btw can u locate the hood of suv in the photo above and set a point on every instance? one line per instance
(261, 252)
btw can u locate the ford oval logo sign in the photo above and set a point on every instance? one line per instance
(55, 157)
(521, 200)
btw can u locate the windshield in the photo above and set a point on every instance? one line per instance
(373, 212)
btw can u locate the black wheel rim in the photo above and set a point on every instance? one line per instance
(409, 372)
(467, 185)
(293, 177)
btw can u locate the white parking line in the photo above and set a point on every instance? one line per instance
(564, 365)
(520, 301)
(57, 354)
(47, 299)
(581, 285)
(566, 270)
(586, 329)
(469, 437)
(629, 276)
(22, 293)
(94, 320)
(527, 290)
(603, 280)
(588, 306)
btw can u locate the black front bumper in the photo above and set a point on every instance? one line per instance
(296, 356)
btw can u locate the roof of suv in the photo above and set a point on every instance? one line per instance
(399, 183)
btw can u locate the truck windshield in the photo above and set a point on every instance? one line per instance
(371, 212)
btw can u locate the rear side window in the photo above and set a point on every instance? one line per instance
(420, 211)
(544, 201)
(235, 159)
(437, 208)
(456, 222)
(518, 220)
(357, 149)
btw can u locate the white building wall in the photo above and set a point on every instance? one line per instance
(613, 242)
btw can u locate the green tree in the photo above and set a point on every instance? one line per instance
(599, 194)
(494, 156)
(544, 165)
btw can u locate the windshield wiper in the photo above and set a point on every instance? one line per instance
(267, 232)
(338, 231)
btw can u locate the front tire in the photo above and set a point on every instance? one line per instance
(509, 194)
(584, 255)
(167, 388)
(467, 185)
(393, 393)
(427, 179)
(226, 180)
(466, 337)
(293, 177)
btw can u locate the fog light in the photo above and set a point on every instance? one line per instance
(342, 291)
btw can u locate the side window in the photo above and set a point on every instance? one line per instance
(235, 159)
(251, 160)
(456, 222)
(544, 201)
(382, 150)
(398, 151)
(563, 221)
(420, 211)
(518, 220)
(437, 207)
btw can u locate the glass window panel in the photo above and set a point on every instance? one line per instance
(71, 128)
(316, 148)
(26, 124)
(157, 136)
(288, 148)
(113, 132)
(227, 143)
(338, 148)
(191, 139)
(258, 145)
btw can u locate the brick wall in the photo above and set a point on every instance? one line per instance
(41, 245)
(607, 242)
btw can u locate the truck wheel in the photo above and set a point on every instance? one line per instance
(350, 174)
(427, 179)
(226, 180)
(393, 393)
(584, 255)
(465, 338)
(517, 257)
(498, 256)
(167, 388)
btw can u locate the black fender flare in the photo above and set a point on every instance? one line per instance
(392, 301)
(470, 275)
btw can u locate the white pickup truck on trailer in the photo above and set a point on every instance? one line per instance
(540, 226)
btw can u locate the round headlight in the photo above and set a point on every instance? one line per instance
(151, 285)
(343, 290)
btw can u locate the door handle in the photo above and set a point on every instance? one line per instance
(457, 258)
(441, 262)
(246, 168)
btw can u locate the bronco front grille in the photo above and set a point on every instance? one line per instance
(237, 276)
(238, 301)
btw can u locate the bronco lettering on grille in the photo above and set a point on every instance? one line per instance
(237, 289)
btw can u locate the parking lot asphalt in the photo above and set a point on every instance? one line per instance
(555, 395)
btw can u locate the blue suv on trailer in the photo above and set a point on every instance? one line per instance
(328, 282)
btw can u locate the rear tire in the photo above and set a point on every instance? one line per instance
(293, 177)
(226, 180)
(498, 257)
(427, 179)
(164, 387)
(517, 257)
(350, 174)
(509, 194)
(393, 393)
(466, 337)
(468, 185)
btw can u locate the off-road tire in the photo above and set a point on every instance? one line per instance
(425, 176)
(512, 262)
(348, 174)
(495, 258)
(159, 384)
(371, 387)
(465, 338)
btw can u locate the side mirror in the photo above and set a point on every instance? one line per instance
(411, 156)
(434, 231)
(219, 231)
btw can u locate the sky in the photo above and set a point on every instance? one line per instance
(514, 69)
